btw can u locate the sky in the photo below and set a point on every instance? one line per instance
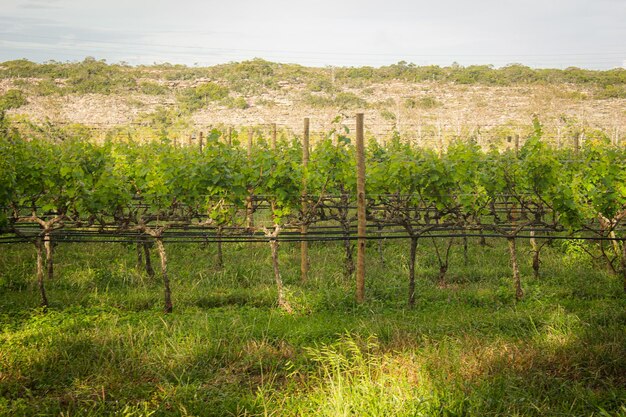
(538, 33)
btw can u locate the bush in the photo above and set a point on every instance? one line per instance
(611, 91)
(235, 103)
(12, 99)
(96, 77)
(47, 88)
(342, 100)
(152, 89)
(426, 102)
(320, 85)
(388, 115)
(346, 100)
(192, 99)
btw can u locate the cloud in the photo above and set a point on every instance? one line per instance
(40, 4)
(349, 32)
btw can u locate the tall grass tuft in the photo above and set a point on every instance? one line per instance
(351, 377)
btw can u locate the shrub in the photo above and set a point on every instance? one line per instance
(343, 100)
(235, 103)
(320, 85)
(97, 77)
(195, 98)
(12, 99)
(153, 89)
(611, 91)
(47, 88)
(426, 102)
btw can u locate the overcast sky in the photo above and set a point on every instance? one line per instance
(546, 33)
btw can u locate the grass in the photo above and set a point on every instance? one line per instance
(106, 348)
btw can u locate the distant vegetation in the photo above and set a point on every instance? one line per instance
(343, 100)
(426, 102)
(11, 99)
(257, 75)
(192, 99)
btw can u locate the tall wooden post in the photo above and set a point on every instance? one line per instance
(360, 191)
(249, 200)
(189, 139)
(439, 138)
(304, 245)
(250, 136)
(517, 144)
(201, 141)
(273, 136)
(230, 136)
(581, 140)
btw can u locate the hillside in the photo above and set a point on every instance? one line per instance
(428, 105)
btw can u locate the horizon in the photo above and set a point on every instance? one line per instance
(174, 64)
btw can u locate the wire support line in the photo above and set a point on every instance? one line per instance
(305, 238)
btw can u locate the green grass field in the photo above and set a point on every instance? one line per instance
(106, 348)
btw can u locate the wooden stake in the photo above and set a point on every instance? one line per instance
(581, 142)
(230, 136)
(250, 135)
(273, 136)
(249, 200)
(200, 141)
(439, 138)
(304, 245)
(361, 230)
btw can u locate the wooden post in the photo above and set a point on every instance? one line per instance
(360, 190)
(581, 142)
(249, 200)
(517, 144)
(439, 138)
(250, 135)
(230, 136)
(189, 139)
(273, 136)
(576, 144)
(398, 114)
(200, 141)
(304, 245)
(418, 142)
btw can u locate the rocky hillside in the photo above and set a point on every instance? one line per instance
(424, 104)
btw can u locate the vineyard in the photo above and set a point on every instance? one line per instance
(267, 195)
(276, 192)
